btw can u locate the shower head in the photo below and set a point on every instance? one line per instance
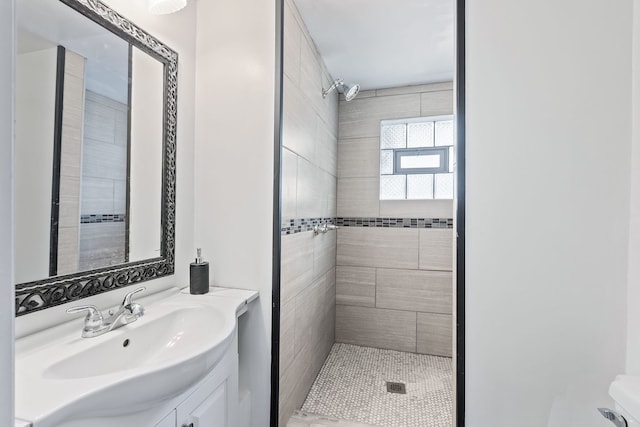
(349, 91)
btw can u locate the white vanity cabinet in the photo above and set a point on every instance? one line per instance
(209, 405)
(213, 402)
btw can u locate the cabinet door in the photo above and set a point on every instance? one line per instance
(168, 421)
(211, 412)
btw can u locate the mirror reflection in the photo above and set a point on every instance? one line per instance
(89, 133)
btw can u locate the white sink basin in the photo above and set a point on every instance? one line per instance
(160, 355)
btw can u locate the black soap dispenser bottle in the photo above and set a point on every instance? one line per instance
(199, 276)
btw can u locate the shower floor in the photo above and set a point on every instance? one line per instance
(352, 386)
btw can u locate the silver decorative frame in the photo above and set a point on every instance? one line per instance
(41, 294)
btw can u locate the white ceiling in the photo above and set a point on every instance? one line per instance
(383, 43)
(44, 24)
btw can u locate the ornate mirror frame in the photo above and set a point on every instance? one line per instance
(41, 294)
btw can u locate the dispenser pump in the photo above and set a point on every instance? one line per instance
(199, 275)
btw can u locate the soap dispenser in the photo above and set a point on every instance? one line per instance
(199, 275)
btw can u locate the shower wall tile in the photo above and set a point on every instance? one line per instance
(378, 247)
(292, 37)
(436, 103)
(435, 334)
(359, 158)
(296, 264)
(356, 286)
(298, 125)
(295, 383)
(309, 197)
(362, 94)
(309, 191)
(289, 184)
(97, 196)
(379, 272)
(311, 75)
(358, 197)
(361, 117)
(101, 244)
(432, 87)
(413, 290)
(324, 253)
(376, 327)
(436, 249)
(287, 322)
(416, 208)
(68, 250)
(326, 148)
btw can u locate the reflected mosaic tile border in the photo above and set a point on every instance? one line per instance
(99, 218)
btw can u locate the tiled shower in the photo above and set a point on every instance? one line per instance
(382, 280)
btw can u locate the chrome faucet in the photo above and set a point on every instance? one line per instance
(95, 324)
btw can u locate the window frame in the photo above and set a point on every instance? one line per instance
(399, 153)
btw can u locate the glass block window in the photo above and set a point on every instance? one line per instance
(416, 158)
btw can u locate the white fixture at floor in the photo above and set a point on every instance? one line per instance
(625, 391)
(184, 346)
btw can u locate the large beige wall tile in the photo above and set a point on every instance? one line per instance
(436, 103)
(435, 334)
(287, 334)
(313, 305)
(378, 247)
(356, 286)
(416, 208)
(414, 290)
(432, 87)
(324, 253)
(376, 327)
(436, 249)
(289, 184)
(330, 185)
(311, 76)
(311, 201)
(359, 158)
(296, 264)
(361, 117)
(295, 383)
(358, 197)
(292, 36)
(326, 148)
(298, 123)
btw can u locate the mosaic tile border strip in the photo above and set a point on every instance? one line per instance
(294, 226)
(299, 225)
(99, 218)
(395, 222)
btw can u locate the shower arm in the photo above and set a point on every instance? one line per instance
(338, 82)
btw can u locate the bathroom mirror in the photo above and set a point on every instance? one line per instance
(95, 153)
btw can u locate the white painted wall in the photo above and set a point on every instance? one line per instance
(234, 163)
(633, 313)
(7, 53)
(36, 74)
(146, 156)
(548, 134)
(178, 32)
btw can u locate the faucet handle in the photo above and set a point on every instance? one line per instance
(94, 317)
(127, 298)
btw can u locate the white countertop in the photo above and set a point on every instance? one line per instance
(625, 390)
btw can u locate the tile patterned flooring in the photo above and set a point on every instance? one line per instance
(352, 386)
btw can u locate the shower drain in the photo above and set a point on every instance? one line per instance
(400, 388)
